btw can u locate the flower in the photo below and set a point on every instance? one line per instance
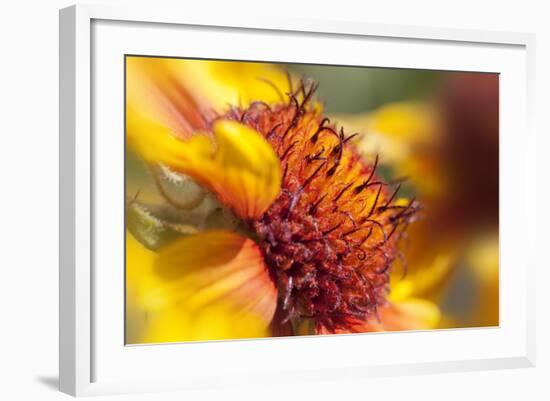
(315, 231)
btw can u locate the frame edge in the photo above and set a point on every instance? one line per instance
(75, 347)
(67, 125)
(530, 42)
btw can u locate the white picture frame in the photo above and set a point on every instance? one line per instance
(93, 357)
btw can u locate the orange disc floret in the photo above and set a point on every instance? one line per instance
(332, 234)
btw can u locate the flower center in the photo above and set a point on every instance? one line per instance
(331, 236)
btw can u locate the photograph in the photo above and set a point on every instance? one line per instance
(269, 199)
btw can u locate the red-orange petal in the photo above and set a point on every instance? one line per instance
(212, 267)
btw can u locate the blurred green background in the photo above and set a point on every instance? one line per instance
(359, 89)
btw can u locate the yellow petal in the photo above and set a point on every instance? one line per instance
(139, 282)
(156, 92)
(429, 259)
(414, 122)
(394, 129)
(220, 321)
(181, 94)
(410, 314)
(139, 269)
(406, 135)
(212, 285)
(239, 83)
(240, 166)
(482, 256)
(430, 271)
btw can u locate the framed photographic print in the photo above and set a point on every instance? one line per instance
(239, 193)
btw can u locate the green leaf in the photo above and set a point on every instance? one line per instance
(155, 226)
(187, 209)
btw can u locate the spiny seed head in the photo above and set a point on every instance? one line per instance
(331, 236)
